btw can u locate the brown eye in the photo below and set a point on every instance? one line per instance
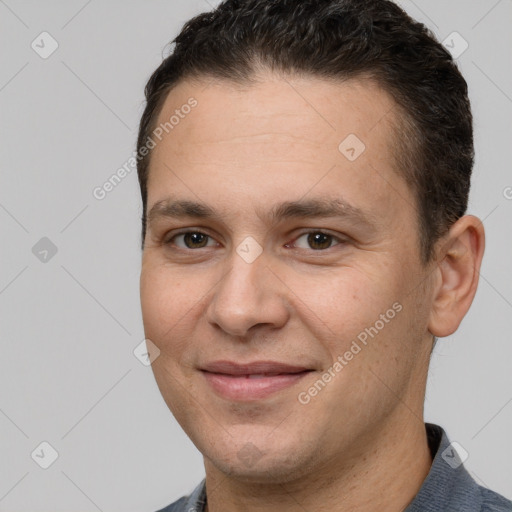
(191, 240)
(319, 241)
(316, 240)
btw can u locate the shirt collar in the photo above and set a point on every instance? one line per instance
(448, 485)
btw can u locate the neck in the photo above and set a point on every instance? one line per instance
(383, 474)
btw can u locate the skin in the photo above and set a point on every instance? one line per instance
(360, 443)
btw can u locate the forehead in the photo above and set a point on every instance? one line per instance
(295, 135)
(309, 108)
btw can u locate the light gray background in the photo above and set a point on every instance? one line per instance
(69, 326)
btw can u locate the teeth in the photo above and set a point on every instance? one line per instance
(260, 375)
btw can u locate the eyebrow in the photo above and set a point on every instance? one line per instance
(301, 209)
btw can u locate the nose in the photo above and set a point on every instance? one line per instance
(247, 296)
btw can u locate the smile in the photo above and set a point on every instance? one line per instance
(253, 381)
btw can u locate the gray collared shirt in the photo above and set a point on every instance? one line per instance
(447, 488)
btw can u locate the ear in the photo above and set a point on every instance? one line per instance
(459, 256)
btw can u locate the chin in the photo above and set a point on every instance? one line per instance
(269, 472)
(256, 462)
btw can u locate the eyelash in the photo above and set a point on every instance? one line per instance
(315, 231)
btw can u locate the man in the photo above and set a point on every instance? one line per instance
(305, 169)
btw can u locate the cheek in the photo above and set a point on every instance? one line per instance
(166, 301)
(362, 317)
(344, 301)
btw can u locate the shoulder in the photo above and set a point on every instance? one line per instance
(494, 502)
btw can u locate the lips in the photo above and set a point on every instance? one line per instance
(254, 368)
(251, 381)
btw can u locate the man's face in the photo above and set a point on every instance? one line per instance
(246, 286)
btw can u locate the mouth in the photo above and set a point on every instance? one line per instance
(252, 381)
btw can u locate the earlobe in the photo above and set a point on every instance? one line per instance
(459, 258)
